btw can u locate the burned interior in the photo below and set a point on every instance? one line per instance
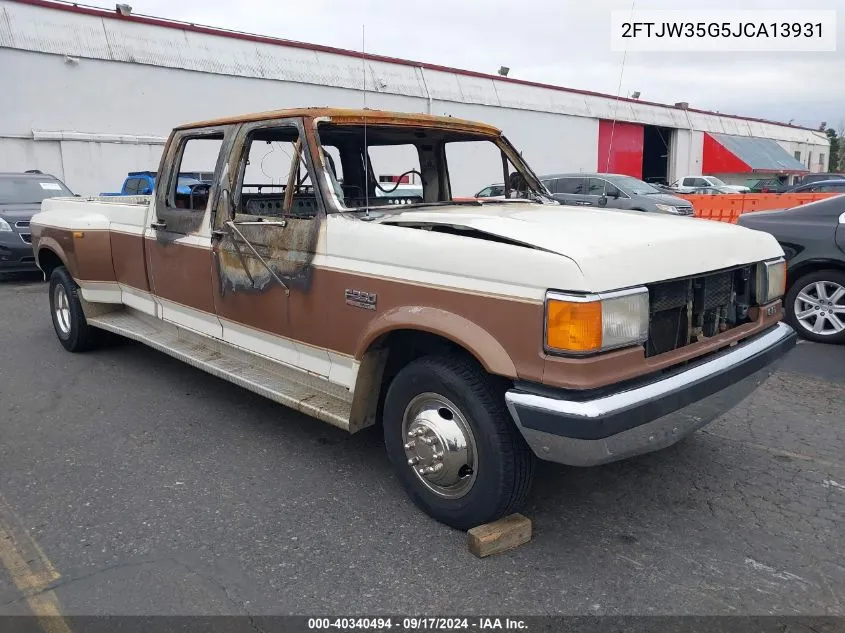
(685, 311)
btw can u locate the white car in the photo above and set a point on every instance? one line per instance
(688, 184)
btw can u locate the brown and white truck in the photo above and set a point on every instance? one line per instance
(479, 334)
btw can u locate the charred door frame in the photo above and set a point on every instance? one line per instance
(234, 277)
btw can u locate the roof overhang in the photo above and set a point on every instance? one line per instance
(730, 154)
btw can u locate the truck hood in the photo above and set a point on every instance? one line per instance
(613, 248)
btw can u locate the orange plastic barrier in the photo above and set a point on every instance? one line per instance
(727, 207)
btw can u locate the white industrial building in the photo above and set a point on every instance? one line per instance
(91, 94)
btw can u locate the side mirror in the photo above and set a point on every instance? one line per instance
(603, 201)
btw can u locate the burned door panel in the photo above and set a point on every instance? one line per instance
(267, 231)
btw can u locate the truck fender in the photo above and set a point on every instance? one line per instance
(50, 244)
(453, 327)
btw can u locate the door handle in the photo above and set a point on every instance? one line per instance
(158, 225)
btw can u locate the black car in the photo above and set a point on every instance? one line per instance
(820, 186)
(20, 198)
(810, 178)
(813, 238)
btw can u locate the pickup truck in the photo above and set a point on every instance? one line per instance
(480, 335)
(143, 182)
(689, 184)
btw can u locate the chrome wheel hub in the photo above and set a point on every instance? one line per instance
(61, 307)
(439, 445)
(820, 308)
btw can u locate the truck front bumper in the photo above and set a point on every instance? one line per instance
(587, 429)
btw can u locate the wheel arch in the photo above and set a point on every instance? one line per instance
(401, 335)
(49, 257)
(807, 266)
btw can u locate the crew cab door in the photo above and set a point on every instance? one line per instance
(178, 238)
(267, 232)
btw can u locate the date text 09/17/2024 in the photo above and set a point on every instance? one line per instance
(417, 624)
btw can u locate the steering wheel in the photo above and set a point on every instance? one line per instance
(193, 188)
(398, 182)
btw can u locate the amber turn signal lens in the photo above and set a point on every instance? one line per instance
(574, 326)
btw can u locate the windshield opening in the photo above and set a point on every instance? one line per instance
(26, 190)
(385, 165)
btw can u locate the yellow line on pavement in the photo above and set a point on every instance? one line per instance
(31, 571)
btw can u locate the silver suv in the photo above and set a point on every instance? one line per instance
(615, 191)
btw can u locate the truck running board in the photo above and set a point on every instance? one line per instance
(312, 395)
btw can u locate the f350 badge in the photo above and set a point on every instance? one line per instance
(361, 299)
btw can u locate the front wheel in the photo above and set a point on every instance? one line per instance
(815, 306)
(451, 442)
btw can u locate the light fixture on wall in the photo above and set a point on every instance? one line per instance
(504, 70)
(635, 94)
(72, 61)
(123, 9)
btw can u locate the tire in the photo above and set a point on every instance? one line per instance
(73, 330)
(831, 331)
(450, 393)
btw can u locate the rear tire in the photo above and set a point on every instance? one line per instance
(448, 406)
(73, 330)
(815, 317)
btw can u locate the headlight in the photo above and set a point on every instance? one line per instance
(771, 280)
(592, 323)
(4, 226)
(667, 208)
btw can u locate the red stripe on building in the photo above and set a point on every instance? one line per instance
(622, 143)
(718, 159)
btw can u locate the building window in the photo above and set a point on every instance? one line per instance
(821, 161)
(798, 155)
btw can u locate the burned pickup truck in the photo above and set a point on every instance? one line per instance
(480, 335)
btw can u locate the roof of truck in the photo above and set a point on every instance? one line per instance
(352, 116)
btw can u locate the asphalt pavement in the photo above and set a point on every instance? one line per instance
(144, 486)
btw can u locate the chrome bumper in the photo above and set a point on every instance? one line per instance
(567, 428)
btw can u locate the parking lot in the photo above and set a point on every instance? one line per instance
(153, 488)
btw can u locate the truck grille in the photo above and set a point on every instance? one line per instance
(684, 311)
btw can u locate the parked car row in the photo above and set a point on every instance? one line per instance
(615, 191)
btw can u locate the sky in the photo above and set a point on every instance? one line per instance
(559, 42)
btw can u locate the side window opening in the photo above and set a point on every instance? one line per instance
(476, 164)
(198, 152)
(274, 179)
